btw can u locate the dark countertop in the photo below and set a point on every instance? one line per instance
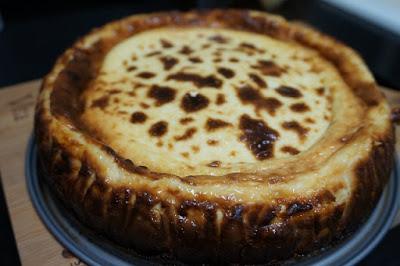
(35, 33)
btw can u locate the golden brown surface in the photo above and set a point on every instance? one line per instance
(137, 92)
(271, 142)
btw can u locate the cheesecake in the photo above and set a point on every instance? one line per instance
(221, 136)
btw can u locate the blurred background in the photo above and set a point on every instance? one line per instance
(34, 33)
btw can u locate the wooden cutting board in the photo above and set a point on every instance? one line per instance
(36, 245)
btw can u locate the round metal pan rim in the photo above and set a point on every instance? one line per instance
(96, 250)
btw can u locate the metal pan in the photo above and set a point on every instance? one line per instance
(94, 249)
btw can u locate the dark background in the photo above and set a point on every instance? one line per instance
(34, 33)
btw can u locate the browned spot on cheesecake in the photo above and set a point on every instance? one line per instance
(233, 153)
(131, 68)
(161, 94)
(197, 80)
(160, 143)
(131, 93)
(166, 44)
(315, 68)
(251, 47)
(114, 91)
(215, 124)
(195, 60)
(194, 102)
(144, 105)
(290, 150)
(217, 54)
(158, 129)
(186, 120)
(258, 80)
(226, 72)
(212, 142)
(247, 45)
(187, 135)
(185, 154)
(138, 117)
(218, 39)
(217, 60)
(320, 91)
(248, 95)
(268, 68)
(287, 91)
(153, 53)
(138, 85)
(168, 62)
(295, 126)
(214, 164)
(309, 120)
(220, 99)
(258, 137)
(299, 107)
(146, 75)
(195, 148)
(206, 46)
(233, 60)
(186, 50)
(101, 102)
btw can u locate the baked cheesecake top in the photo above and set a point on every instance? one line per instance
(201, 98)
(206, 98)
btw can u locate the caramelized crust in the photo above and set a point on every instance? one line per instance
(293, 183)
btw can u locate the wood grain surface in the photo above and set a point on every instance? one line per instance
(36, 245)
